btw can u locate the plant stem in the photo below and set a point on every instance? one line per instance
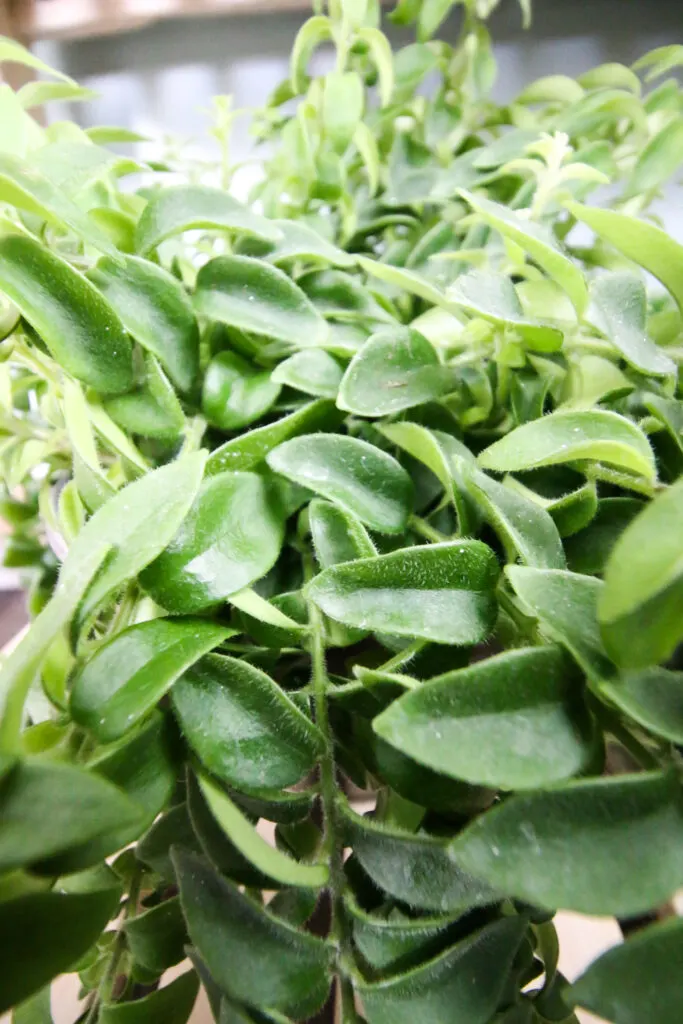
(426, 530)
(403, 656)
(106, 986)
(332, 849)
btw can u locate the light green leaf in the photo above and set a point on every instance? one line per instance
(595, 435)
(129, 674)
(660, 159)
(38, 93)
(337, 535)
(235, 393)
(396, 369)
(551, 89)
(439, 592)
(257, 297)
(619, 310)
(180, 208)
(12, 52)
(404, 280)
(462, 985)
(313, 32)
(155, 310)
(493, 297)
(243, 727)
(613, 985)
(361, 478)
(648, 246)
(78, 326)
(313, 371)
(301, 242)
(342, 107)
(230, 537)
(251, 954)
(537, 242)
(515, 721)
(266, 858)
(432, 14)
(598, 846)
(640, 607)
(566, 605)
(383, 59)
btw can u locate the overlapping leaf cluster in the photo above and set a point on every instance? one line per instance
(369, 487)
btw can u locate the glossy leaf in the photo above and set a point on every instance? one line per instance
(230, 537)
(137, 523)
(236, 394)
(252, 955)
(515, 721)
(413, 868)
(396, 369)
(77, 325)
(337, 535)
(456, 986)
(155, 310)
(243, 727)
(599, 846)
(538, 242)
(640, 606)
(47, 808)
(173, 211)
(127, 676)
(313, 371)
(171, 1004)
(254, 296)
(566, 605)
(45, 934)
(440, 592)
(362, 479)
(300, 242)
(612, 985)
(619, 306)
(248, 450)
(266, 858)
(595, 435)
(648, 246)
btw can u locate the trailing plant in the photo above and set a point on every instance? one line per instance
(368, 489)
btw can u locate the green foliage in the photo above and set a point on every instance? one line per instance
(373, 480)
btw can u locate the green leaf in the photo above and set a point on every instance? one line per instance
(301, 242)
(415, 869)
(266, 858)
(171, 1004)
(47, 808)
(78, 326)
(439, 592)
(244, 728)
(175, 210)
(337, 535)
(137, 523)
(493, 297)
(257, 297)
(432, 14)
(598, 846)
(462, 985)
(648, 246)
(12, 52)
(652, 697)
(526, 530)
(537, 242)
(250, 449)
(129, 674)
(157, 937)
(312, 33)
(342, 107)
(39, 92)
(640, 607)
(389, 943)
(313, 371)
(383, 59)
(396, 369)
(36, 1010)
(230, 537)
(357, 476)
(619, 310)
(515, 721)
(613, 985)
(45, 934)
(155, 310)
(566, 605)
(562, 437)
(252, 955)
(404, 280)
(588, 551)
(174, 828)
(660, 159)
(236, 394)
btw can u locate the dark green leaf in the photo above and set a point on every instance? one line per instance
(172, 829)
(253, 956)
(157, 937)
(230, 537)
(354, 474)
(126, 677)
(236, 394)
(246, 731)
(588, 551)
(440, 592)
(599, 846)
(653, 698)
(516, 721)
(171, 1004)
(389, 943)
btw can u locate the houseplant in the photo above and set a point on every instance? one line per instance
(373, 482)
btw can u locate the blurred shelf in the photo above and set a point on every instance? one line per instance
(79, 19)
